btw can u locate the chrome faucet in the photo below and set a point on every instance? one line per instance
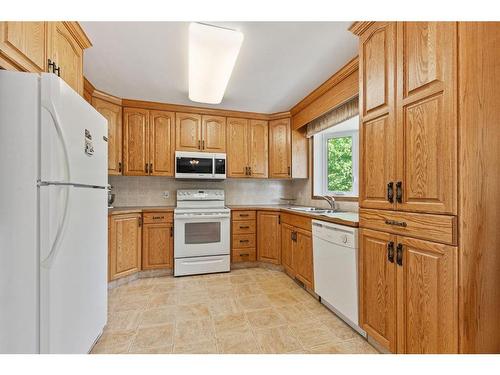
(330, 199)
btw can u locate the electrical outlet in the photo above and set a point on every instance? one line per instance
(166, 194)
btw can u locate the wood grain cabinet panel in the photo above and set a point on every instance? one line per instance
(376, 53)
(113, 114)
(280, 150)
(68, 55)
(287, 249)
(23, 45)
(135, 141)
(426, 116)
(427, 298)
(188, 132)
(237, 147)
(303, 257)
(157, 246)
(378, 163)
(124, 245)
(213, 134)
(258, 148)
(268, 237)
(378, 287)
(161, 143)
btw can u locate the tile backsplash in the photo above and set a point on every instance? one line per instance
(148, 191)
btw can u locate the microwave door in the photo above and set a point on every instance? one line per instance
(194, 166)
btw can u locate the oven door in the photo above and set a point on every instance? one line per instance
(198, 234)
(194, 165)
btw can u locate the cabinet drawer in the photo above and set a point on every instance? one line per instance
(242, 227)
(157, 217)
(299, 221)
(438, 228)
(244, 255)
(243, 241)
(243, 215)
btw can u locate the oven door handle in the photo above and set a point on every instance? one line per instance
(190, 216)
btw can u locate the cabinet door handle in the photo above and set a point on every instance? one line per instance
(243, 215)
(51, 65)
(150, 168)
(390, 251)
(146, 167)
(390, 192)
(57, 71)
(249, 171)
(199, 145)
(171, 231)
(399, 192)
(140, 221)
(288, 169)
(244, 254)
(120, 166)
(203, 144)
(244, 241)
(397, 223)
(244, 227)
(399, 254)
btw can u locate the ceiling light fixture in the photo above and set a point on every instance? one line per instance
(212, 54)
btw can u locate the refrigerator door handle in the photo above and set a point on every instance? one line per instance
(47, 262)
(50, 108)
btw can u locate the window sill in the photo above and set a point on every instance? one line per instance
(340, 198)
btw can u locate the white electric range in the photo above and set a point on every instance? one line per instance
(202, 232)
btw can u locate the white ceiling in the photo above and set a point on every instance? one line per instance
(279, 62)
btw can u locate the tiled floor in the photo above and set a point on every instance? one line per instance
(246, 311)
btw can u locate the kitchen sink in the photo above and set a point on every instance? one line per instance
(314, 210)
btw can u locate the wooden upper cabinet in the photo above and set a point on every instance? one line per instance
(427, 116)
(65, 51)
(427, 298)
(124, 245)
(378, 123)
(157, 246)
(113, 113)
(135, 141)
(161, 143)
(378, 287)
(258, 148)
(303, 257)
(188, 132)
(23, 45)
(268, 237)
(280, 150)
(237, 147)
(213, 134)
(376, 69)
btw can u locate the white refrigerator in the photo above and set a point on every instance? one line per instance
(53, 217)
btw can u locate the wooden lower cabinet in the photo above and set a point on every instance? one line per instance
(378, 287)
(268, 237)
(408, 293)
(297, 254)
(157, 246)
(125, 235)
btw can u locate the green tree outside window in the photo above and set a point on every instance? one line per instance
(339, 164)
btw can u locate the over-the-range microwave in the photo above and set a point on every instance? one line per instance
(200, 165)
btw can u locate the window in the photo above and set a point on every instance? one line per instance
(336, 160)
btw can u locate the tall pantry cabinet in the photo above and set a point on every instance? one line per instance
(411, 93)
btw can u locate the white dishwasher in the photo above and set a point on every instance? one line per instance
(335, 257)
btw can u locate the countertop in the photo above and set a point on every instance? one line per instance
(350, 219)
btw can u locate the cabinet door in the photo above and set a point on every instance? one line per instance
(124, 245)
(303, 257)
(377, 283)
(157, 246)
(258, 148)
(237, 147)
(135, 141)
(427, 116)
(113, 113)
(427, 297)
(378, 126)
(187, 132)
(280, 149)
(24, 45)
(161, 143)
(287, 249)
(213, 133)
(67, 54)
(268, 237)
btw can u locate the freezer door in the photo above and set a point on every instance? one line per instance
(73, 268)
(74, 145)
